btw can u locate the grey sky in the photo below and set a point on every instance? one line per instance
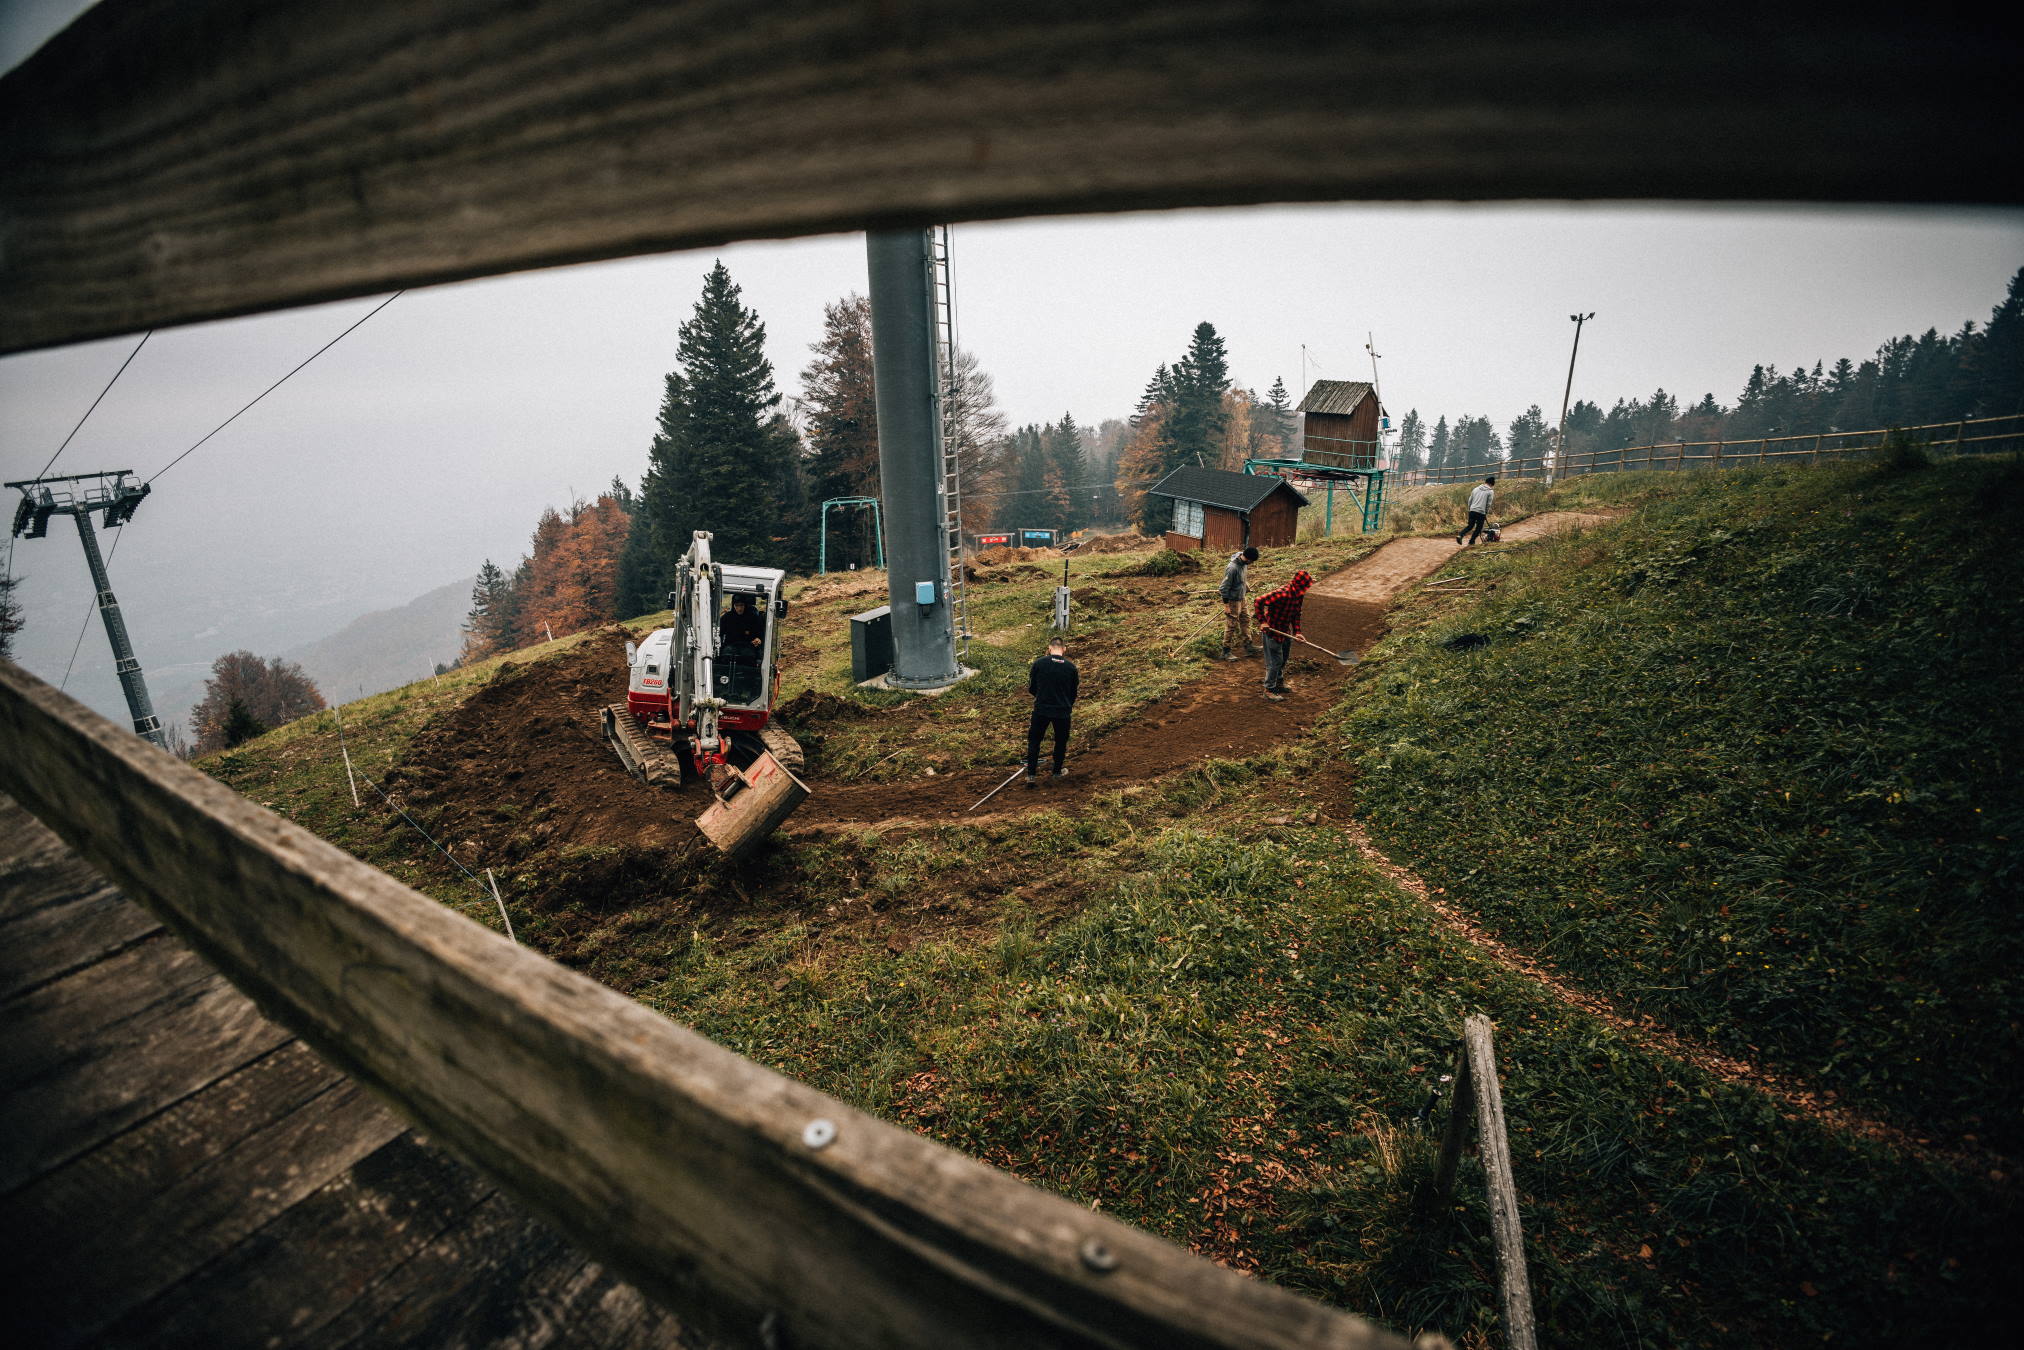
(431, 438)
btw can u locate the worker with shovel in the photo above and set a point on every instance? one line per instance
(1278, 615)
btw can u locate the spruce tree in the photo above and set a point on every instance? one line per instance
(1192, 431)
(1065, 456)
(1439, 448)
(1282, 410)
(716, 462)
(1412, 443)
(1995, 367)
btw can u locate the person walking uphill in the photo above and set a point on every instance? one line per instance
(1236, 614)
(1278, 615)
(1053, 682)
(1479, 508)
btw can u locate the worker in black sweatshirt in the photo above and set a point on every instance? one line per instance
(1053, 684)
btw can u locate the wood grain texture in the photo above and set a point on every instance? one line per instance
(167, 161)
(679, 1164)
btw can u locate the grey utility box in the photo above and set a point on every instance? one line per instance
(871, 643)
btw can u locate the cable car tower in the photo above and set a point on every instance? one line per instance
(118, 499)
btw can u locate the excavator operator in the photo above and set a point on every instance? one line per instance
(742, 632)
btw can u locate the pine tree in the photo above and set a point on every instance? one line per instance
(1065, 459)
(1192, 431)
(1440, 447)
(1529, 437)
(1159, 392)
(486, 627)
(1412, 442)
(1995, 367)
(715, 462)
(1281, 403)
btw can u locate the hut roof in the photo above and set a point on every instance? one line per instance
(1334, 396)
(1220, 487)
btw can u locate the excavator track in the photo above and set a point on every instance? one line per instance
(782, 747)
(649, 760)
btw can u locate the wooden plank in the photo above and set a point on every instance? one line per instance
(1514, 1292)
(203, 1214)
(361, 1227)
(74, 1203)
(167, 161)
(85, 922)
(689, 1170)
(121, 1074)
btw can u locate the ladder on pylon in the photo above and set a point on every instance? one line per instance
(942, 291)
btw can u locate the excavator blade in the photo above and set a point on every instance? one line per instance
(758, 798)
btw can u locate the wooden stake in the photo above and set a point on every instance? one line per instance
(342, 749)
(493, 882)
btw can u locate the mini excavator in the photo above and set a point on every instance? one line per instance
(699, 700)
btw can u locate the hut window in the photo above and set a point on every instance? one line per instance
(1188, 518)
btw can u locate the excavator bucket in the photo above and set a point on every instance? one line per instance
(751, 804)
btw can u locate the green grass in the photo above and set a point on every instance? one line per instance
(1192, 1004)
(1748, 762)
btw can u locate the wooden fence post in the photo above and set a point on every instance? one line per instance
(1514, 1290)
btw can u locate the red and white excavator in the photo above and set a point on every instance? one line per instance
(699, 700)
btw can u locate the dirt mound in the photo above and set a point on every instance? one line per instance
(1116, 543)
(1166, 563)
(812, 707)
(521, 767)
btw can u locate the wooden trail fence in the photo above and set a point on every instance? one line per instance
(1965, 436)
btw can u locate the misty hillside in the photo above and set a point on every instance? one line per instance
(388, 647)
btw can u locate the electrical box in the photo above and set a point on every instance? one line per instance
(871, 643)
(924, 593)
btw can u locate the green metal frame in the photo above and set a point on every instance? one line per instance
(1372, 499)
(877, 530)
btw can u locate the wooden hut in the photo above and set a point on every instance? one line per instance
(1339, 425)
(1217, 509)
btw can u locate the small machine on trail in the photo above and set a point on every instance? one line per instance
(699, 701)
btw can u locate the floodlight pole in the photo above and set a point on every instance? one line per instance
(1560, 438)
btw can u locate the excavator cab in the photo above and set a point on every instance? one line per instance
(707, 684)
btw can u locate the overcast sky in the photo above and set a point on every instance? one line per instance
(432, 437)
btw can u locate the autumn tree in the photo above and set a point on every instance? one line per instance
(246, 696)
(978, 426)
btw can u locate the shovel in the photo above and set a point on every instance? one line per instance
(996, 790)
(1342, 658)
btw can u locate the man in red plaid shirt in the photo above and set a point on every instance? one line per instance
(1278, 615)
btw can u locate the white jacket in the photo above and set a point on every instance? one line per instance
(1480, 499)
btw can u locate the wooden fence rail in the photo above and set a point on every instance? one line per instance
(1963, 436)
(166, 161)
(767, 1213)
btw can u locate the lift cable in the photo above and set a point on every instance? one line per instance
(86, 625)
(277, 384)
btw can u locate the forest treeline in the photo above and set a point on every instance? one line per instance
(730, 454)
(1910, 381)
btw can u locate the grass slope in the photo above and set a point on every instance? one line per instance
(1749, 762)
(1193, 1004)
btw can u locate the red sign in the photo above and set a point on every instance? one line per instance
(993, 540)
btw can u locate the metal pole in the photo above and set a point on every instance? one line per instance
(908, 386)
(125, 663)
(1567, 394)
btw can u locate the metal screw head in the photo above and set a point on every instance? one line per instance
(818, 1133)
(1098, 1257)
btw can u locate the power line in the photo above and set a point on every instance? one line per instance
(277, 384)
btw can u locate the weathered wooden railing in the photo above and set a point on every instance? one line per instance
(768, 1213)
(1962, 436)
